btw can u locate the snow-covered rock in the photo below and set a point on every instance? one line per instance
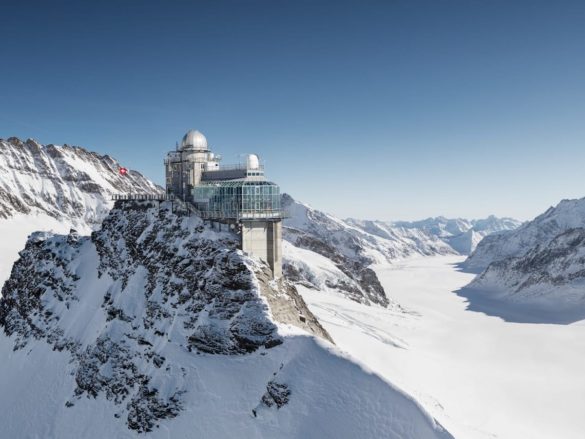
(462, 235)
(549, 279)
(568, 214)
(49, 187)
(157, 324)
(325, 252)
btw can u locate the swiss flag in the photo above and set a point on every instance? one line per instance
(123, 171)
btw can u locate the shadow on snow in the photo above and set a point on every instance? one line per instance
(485, 302)
(480, 301)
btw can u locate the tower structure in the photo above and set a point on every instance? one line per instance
(185, 165)
(237, 197)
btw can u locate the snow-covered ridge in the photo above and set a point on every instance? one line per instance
(568, 214)
(62, 181)
(550, 276)
(156, 323)
(535, 273)
(462, 235)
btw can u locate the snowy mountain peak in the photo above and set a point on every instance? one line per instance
(61, 181)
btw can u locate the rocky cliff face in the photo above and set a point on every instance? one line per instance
(157, 324)
(324, 252)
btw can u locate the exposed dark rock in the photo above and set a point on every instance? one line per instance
(277, 394)
(146, 407)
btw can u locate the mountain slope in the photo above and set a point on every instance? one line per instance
(327, 253)
(548, 281)
(61, 181)
(568, 214)
(54, 188)
(158, 324)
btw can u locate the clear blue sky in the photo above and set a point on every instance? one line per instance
(372, 109)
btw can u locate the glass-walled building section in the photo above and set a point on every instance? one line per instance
(238, 200)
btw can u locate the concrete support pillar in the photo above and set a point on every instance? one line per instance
(263, 240)
(274, 247)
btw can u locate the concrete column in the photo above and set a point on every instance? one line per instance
(274, 247)
(263, 240)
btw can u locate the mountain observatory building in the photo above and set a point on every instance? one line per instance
(236, 196)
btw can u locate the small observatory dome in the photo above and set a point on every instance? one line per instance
(194, 140)
(253, 162)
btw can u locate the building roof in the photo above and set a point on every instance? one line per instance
(194, 140)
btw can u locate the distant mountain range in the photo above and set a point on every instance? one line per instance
(327, 253)
(462, 235)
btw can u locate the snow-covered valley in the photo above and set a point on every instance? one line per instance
(480, 376)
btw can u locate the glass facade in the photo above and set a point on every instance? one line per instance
(238, 199)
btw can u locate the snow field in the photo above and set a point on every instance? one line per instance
(480, 376)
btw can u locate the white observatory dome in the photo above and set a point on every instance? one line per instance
(194, 140)
(253, 162)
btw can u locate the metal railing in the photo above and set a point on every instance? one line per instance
(238, 215)
(140, 197)
(275, 214)
(239, 166)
